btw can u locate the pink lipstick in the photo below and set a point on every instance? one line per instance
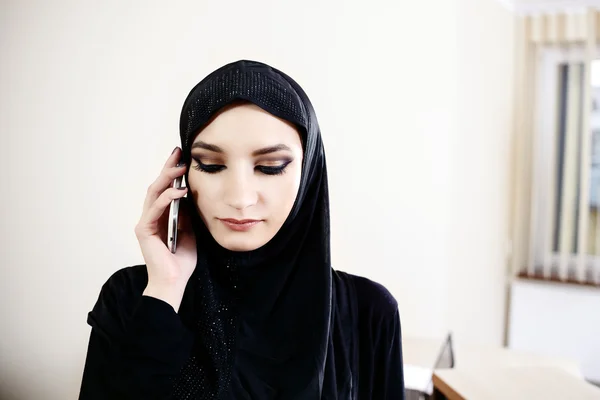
(239, 225)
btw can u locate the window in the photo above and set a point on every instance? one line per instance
(565, 184)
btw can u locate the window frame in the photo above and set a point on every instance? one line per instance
(542, 260)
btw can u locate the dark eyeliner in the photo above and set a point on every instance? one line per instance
(209, 168)
(273, 170)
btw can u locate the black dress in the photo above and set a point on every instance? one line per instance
(139, 356)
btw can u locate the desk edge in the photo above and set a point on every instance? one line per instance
(442, 386)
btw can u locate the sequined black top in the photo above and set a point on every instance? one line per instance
(142, 352)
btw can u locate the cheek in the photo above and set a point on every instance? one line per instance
(206, 190)
(282, 194)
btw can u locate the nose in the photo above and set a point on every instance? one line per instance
(240, 192)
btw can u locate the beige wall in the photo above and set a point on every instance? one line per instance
(481, 166)
(89, 111)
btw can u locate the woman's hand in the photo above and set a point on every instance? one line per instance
(168, 273)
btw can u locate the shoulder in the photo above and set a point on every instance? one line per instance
(119, 294)
(372, 297)
(126, 280)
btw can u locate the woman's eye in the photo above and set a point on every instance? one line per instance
(277, 170)
(209, 168)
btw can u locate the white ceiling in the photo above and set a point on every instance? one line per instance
(534, 6)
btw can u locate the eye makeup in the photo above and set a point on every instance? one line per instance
(209, 168)
(266, 170)
(274, 170)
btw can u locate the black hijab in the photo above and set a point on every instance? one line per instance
(265, 320)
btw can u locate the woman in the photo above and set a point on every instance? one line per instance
(249, 306)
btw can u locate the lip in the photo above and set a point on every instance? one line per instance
(240, 225)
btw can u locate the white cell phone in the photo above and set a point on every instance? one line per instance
(174, 218)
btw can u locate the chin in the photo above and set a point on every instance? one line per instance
(239, 243)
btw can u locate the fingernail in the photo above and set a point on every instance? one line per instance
(174, 150)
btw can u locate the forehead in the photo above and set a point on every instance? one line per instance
(248, 125)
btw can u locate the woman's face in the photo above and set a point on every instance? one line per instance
(245, 174)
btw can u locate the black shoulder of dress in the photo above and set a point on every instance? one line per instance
(372, 297)
(127, 281)
(119, 294)
(130, 278)
(379, 338)
(138, 344)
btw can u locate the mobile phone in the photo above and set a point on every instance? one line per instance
(174, 218)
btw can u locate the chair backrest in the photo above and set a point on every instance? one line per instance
(445, 358)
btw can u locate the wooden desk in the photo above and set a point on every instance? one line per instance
(514, 383)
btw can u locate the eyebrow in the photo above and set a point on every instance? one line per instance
(270, 149)
(210, 147)
(260, 152)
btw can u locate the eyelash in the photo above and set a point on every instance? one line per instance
(214, 168)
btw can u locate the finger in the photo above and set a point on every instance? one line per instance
(155, 211)
(173, 158)
(157, 187)
(163, 182)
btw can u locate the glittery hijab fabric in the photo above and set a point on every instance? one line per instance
(263, 319)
